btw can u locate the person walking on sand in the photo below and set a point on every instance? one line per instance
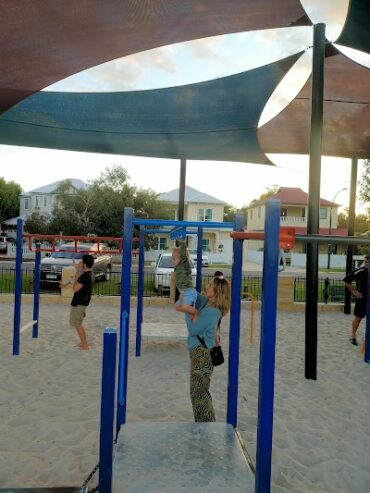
(201, 339)
(82, 289)
(360, 292)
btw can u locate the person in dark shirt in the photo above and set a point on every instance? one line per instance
(360, 277)
(82, 288)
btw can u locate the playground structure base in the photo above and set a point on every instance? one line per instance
(180, 457)
(163, 332)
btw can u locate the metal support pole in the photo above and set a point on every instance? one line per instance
(236, 286)
(181, 210)
(36, 292)
(267, 348)
(351, 231)
(314, 201)
(199, 260)
(18, 288)
(140, 291)
(367, 329)
(107, 411)
(125, 317)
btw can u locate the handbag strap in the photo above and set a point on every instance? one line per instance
(218, 329)
(201, 340)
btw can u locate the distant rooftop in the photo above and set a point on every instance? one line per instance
(52, 187)
(191, 196)
(289, 195)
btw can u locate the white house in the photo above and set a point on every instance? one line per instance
(43, 199)
(202, 207)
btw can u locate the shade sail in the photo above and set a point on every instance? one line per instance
(213, 120)
(356, 31)
(346, 131)
(43, 42)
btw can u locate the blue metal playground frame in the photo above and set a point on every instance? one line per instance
(267, 351)
(18, 291)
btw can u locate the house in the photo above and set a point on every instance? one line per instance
(41, 200)
(199, 206)
(293, 213)
(44, 199)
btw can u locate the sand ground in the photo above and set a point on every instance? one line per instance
(50, 399)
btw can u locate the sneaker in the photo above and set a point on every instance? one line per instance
(353, 341)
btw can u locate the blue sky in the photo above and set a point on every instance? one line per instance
(186, 63)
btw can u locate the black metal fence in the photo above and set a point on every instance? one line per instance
(154, 285)
(330, 290)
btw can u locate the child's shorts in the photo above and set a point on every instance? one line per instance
(189, 296)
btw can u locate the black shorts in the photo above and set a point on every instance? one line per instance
(360, 308)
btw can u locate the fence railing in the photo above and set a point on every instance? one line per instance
(154, 284)
(330, 290)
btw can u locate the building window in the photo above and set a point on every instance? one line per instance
(259, 212)
(205, 214)
(174, 214)
(303, 212)
(37, 201)
(26, 204)
(163, 243)
(283, 212)
(45, 201)
(323, 213)
(205, 245)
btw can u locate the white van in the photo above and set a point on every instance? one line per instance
(163, 269)
(3, 244)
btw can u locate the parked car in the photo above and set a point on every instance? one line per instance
(205, 260)
(3, 244)
(51, 266)
(163, 269)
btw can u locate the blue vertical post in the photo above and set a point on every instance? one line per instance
(236, 284)
(198, 285)
(107, 411)
(140, 291)
(18, 288)
(125, 316)
(267, 348)
(36, 292)
(367, 330)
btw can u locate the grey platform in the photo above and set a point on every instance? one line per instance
(163, 332)
(180, 458)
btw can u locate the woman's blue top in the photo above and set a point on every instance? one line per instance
(205, 325)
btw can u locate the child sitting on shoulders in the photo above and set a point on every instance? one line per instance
(184, 282)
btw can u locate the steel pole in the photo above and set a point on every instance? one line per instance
(351, 231)
(234, 341)
(314, 200)
(181, 212)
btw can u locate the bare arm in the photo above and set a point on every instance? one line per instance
(353, 290)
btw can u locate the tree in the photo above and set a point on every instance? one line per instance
(9, 199)
(272, 190)
(229, 213)
(37, 224)
(99, 209)
(365, 185)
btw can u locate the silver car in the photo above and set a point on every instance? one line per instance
(51, 266)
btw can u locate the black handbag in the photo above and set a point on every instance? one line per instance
(217, 356)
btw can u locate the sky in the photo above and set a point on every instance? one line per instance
(183, 63)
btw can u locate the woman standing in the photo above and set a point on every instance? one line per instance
(211, 308)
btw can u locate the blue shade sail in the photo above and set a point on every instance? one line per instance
(213, 120)
(356, 30)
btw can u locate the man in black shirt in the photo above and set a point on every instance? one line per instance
(360, 276)
(82, 288)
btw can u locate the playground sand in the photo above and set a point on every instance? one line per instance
(50, 399)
